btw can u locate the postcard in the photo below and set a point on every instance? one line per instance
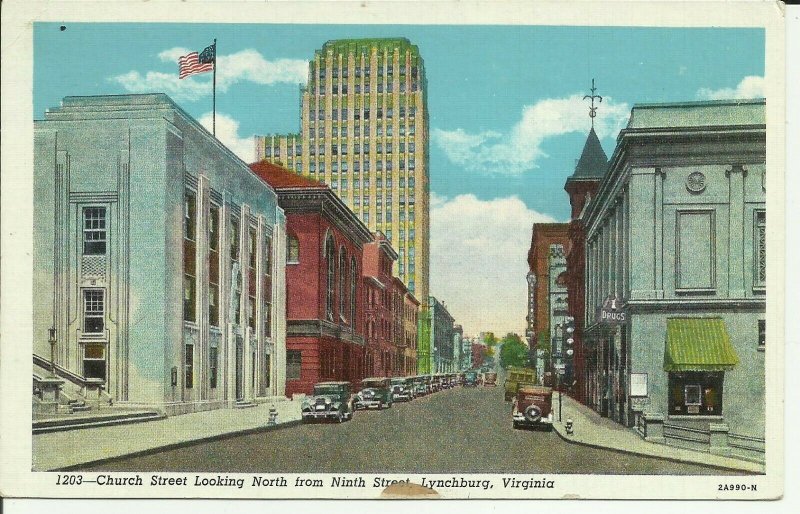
(487, 250)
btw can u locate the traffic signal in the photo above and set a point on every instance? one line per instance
(568, 348)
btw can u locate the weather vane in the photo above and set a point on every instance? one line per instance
(593, 109)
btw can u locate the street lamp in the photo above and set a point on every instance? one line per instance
(52, 339)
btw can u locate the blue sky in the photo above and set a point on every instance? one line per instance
(506, 117)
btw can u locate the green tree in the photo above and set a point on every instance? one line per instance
(513, 352)
(489, 339)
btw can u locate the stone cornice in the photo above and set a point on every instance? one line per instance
(298, 200)
(321, 328)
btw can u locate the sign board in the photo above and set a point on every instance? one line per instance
(560, 367)
(610, 312)
(561, 371)
(638, 384)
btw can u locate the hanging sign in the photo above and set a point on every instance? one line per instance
(610, 312)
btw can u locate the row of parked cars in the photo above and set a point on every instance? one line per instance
(335, 400)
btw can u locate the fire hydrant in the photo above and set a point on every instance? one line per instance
(273, 416)
(568, 426)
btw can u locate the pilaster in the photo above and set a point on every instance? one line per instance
(736, 174)
(642, 209)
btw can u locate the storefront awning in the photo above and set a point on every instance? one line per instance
(698, 344)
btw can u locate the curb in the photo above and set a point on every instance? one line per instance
(670, 459)
(182, 444)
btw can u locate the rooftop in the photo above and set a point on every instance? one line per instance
(698, 114)
(352, 45)
(281, 178)
(593, 162)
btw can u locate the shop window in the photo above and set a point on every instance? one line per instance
(762, 334)
(696, 393)
(293, 362)
(94, 231)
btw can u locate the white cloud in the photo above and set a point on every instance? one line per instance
(243, 66)
(228, 134)
(479, 254)
(517, 151)
(751, 86)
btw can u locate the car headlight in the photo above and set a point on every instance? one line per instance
(327, 401)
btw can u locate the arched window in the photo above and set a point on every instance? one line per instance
(342, 282)
(330, 257)
(353, 292)
(292, 249)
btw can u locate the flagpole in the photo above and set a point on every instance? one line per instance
(214, 94)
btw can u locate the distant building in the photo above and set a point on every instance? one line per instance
(381, 349)
(364, 131)
(458, 336)
(676, 237)
(547, 239)
(158, 259)
(441, 336)
(325, 243)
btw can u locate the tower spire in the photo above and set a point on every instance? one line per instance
(592, 97)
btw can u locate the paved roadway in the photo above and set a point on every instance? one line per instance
(460, 430)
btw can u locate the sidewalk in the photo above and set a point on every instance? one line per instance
(591, 429)
(66, 449)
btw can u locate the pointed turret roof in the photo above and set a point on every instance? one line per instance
(593, 162)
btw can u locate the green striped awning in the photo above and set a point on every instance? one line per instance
(698, 344)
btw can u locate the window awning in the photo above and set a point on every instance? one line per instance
(698, 344)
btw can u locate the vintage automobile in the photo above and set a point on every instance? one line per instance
(532, 407)
(470, 379)
(444, 381)
(436, 385)
(517, 376)
(375, 392)
(489, 379)
(402, 389)
(423, 385)
(331, 401)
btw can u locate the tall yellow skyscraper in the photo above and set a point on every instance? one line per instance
(364, 131)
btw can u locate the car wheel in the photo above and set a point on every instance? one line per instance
(516, 425)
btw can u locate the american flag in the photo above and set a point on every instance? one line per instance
(194, 63)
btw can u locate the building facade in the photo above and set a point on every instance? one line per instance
(324, 254)
(158, 258)
(544, 237)
(675, 239)
(364, 131)
(557, 307)
(382, 347)
(441, 336)
(581, 186)
(408, 307)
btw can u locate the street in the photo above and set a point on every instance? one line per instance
(465, 430)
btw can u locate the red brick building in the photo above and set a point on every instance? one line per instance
(379, 257)
(324, 285)
(544, 235)
(581, 187)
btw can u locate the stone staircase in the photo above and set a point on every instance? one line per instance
(63, 400)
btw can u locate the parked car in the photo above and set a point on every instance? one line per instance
(425, 384)
(516, 377)
(417, 386)
(375, 392)
(532, 407)
(330, 400)
(489, 379)
(402, 389)
(470, 379)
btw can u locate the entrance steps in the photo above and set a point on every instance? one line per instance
(243, 404)
(94, 420)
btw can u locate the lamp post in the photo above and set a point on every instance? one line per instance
(52, 339)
